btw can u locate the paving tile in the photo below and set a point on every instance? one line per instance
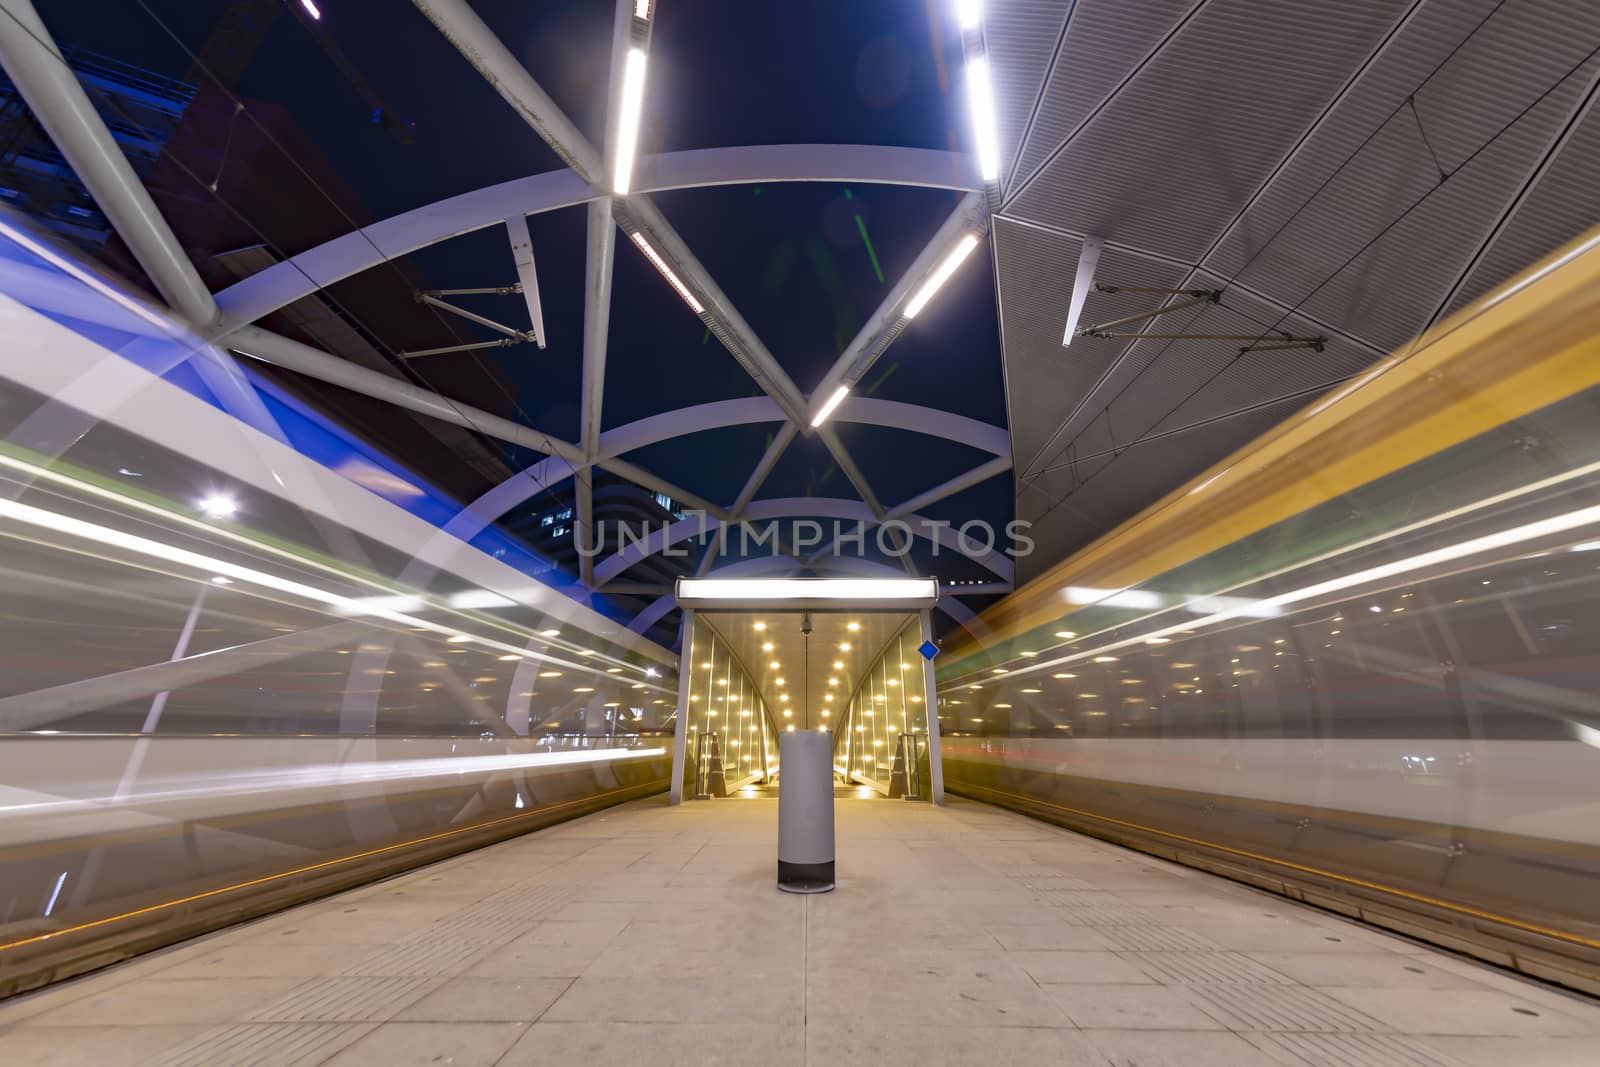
(726, 996)
(407, 1044)
(1519, 1051)
(263, 961)
(1080, 967)
(829, 1044)
(251, 1044)
(167, 1001)
(655, 935)
(1048, 937)
(470, 999)
(103, 1046)
(1176, 1048)
(734, 1044)
(928, 988)
(1384, 970)
(1466, 1012)
(1131, 1007)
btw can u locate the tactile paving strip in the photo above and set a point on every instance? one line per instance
(262, 1045)
(1265, 1007)
(1157, 939)
(1350, 1050)
(1220, 968)
(434, 955)
(1099, 916)
(1077, 898)
(347, 999)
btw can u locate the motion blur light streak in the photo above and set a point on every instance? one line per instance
(1141, 599)
(377, 607)
(310, 776)
(1557, 524)
(479, 598)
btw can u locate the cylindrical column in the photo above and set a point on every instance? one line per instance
(805, 812)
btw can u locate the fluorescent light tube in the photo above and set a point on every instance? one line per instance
(628, 120)
(666, 272)
(980, 100)
(968, 12)
(833, 401)
(961, 251)
(786, 590)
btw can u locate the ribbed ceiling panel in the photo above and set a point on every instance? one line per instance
(1204, 122)
(1021, 40)
(1105, 40)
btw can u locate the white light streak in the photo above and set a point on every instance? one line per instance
(479, 598)
(55, 894)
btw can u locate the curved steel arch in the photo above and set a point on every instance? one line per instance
(283, 283)
(653, 429)
(792, 507)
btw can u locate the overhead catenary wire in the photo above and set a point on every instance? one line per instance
(1384, 231)
(391, 356)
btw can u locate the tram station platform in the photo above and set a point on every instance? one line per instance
(655, 934)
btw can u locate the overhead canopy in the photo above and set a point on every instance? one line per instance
(1350, 171)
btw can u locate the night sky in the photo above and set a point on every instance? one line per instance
(804, 263)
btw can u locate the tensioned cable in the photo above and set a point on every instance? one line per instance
(1334, 174)
(1405, 213)
(383, 346)
(399, 363)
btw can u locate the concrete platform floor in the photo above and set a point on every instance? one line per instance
(654, 935)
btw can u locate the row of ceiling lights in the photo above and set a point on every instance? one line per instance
(980, 94)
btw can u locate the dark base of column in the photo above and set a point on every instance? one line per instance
(805, 877)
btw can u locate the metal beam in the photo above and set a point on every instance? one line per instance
(962, 482)
(478, 43)
(885, 324)
(527, 274)
(680, 727)
(483, 49)
(930, 712)
(471, 316)
(283, 283)
(769, 459)
(665, 537)
(599, 259)
(724, 319)
(280, 351)
(51, 90)
(416, 353)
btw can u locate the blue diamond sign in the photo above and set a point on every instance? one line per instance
(928, 650)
